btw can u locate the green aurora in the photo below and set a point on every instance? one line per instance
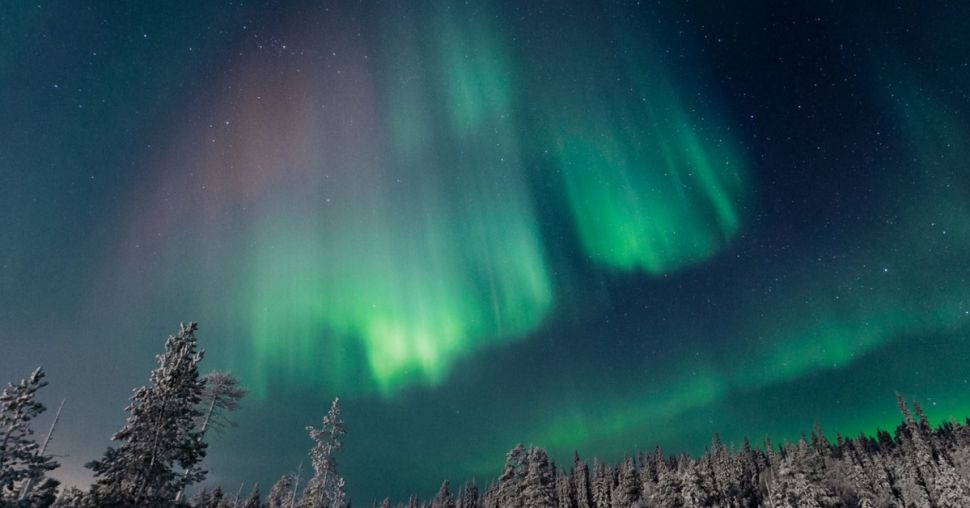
(592, 227)
(652, 183)
(435, 251)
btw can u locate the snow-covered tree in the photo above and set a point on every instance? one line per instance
(280, 493)
(160, 436)
(202, 497)
(221, 394)
(468, 496)
(326, 487)
(951, 490)
(509, 491)
(255, 499)
(443, 498)
(71, 497)
(801, 480)
(539, 483)
(627, 491)
(565, 495)
(21, 457)
(602, 484)
(668, 491)
(581, 483)
(920, 466)
(42, 493)
(693, 489)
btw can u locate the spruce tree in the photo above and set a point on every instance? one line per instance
(694, 490)
(565, 495)
(71, 497)
(951, 490)
(281, 492)
(202, 497)
(508, 494)
(326, 487)
(801, 480)
(602, 485)
(627, 492)
(584, 496)
(43, 493)
(668, 491)
(160, 436)
(21, 460)
(443, 498)
(255, 499)
(468, 496)
(538, 485)
(217, 499)
(221, 394)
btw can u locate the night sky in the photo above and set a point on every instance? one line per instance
(592, 226)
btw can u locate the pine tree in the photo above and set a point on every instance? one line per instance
(668, 492)
(508, 494)
(584, 496)
(326, 487)
(565, 493)
(443, 499)
(71, 497)
(918, 469)
(44, 493)
(221, 394)
(538, 486)
(951, 490)
(21, 459)
(202, 497)
(280, 493)
(602, 485)
(468, 497)
(628, 489)
(694, 491)
(340, 494)
(819, 442)
(800, 481)
(160, 434)
(255, 499)
(217, 499)
(751, 465)
(721, 473)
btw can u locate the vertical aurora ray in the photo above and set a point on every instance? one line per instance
(870, 328)
(381, 233)
(471, 243)
(652, 182)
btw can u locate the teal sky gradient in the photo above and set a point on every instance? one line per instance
(584, 226)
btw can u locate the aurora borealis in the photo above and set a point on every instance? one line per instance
(592, 226)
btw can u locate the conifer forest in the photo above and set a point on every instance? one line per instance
(163, 441)
(484, 253)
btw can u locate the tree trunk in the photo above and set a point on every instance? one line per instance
(43, 448)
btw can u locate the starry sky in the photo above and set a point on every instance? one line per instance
(593, 226)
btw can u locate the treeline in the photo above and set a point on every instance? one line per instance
(162, 444)
(917, 466)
